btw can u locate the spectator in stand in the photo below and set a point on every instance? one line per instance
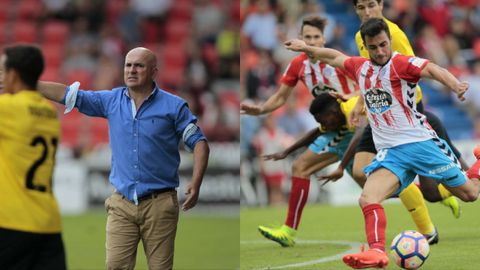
(207, 21)
(260, 27)
(262, 78)
(294, 120)
(268, 140)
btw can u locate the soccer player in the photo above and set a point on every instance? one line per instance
(411, 197)
(333, 115)
(319, 78)
(406, 143)
(30, 227)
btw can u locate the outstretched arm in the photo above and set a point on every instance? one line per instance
(51, 90)
(272, 103)
(347, 157)
(442, 75)
(305, 140)
(330, 56)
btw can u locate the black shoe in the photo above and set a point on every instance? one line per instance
(432, 238)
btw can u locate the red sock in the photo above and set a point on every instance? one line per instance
(375, 225)
(297, 200)
(474, 171)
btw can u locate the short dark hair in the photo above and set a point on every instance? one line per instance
(27, 61)
(373, 27)
(315, 21)
(356, 1)
(321, 103)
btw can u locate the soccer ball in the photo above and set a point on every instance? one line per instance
(409, 249)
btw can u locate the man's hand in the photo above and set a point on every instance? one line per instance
(337, 95)
(250, 109)
(333, 176)
(460, 89)
(192, 197)
(296, 45)
(276, 156)
(355, 116)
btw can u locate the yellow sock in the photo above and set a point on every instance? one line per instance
(412, 199)
(444, 193)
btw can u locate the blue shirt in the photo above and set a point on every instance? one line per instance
(144, 142)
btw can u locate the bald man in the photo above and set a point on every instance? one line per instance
(146, 125)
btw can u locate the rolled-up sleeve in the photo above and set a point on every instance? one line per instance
(186, 124)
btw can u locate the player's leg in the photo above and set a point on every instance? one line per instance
(17, 249)
(273, 183)
(307, 163)
(159, 229)
(411, 196)
(50, 253)
(380, 185)
(443, 166)
(315, 158)
(428, 187)
(364, 154)
(122, 233)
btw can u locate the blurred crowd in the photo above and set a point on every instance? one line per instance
(445, 31)
(196, 43)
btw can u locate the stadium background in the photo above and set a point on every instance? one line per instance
(445, 31)
(197, 45)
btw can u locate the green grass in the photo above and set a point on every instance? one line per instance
(459, 246)
(202, 242)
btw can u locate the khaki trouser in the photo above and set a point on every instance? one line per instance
(154, 221)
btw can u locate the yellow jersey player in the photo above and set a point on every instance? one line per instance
(30, 227)
(411, 197)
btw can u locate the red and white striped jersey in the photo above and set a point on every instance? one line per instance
(389, 93)
(318, 77)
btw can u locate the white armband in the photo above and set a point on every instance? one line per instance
(71, 97)
(187, 133)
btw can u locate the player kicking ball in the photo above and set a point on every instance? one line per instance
(405, 142)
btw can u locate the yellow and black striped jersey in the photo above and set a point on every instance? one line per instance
(29, 135)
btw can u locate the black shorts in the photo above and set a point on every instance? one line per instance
(31, 251)
(366, 143)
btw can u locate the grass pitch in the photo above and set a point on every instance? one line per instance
(323, 227)
(203, 241)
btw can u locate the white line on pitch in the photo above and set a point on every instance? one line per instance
(354, 247)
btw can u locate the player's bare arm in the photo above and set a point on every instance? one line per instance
(347, 157)
(274, 102)
(357, 112)
(433, 71)
(52, 90)
(200, 157)
(329, 56)
(305, 140)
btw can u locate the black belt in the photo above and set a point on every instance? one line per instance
(153, 194)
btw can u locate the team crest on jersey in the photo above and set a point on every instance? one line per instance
(320, 88)
(377, 100)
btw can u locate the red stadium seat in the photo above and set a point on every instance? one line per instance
(173, 55)
(55, 32)
(72, 124)
(177, 31)
(171, 77)
(29, 9)
(476, 47)
(181, 10)
(5, 7)
(81, 75)
(50, 74)
(98, 131)
(24, 32)
(54, 54)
